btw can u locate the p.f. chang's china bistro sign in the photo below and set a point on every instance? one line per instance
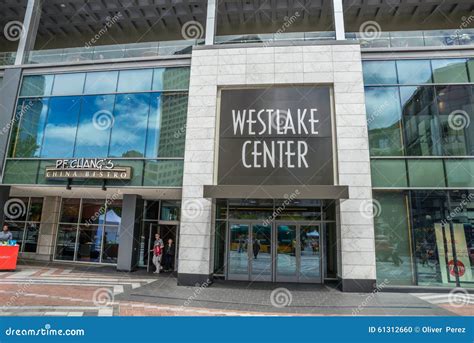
(276, 136)
(83, 168)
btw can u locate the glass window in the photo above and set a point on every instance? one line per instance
(137, 173)
(419, 177)
(379, 72)
(89, 243)
(68, 84)
(66, 242)
(20, 172)
(70, 210)
(163, 173)
(392, 239)
(36, 85)
(414, 72)
(95, 123)
(151, 210)
(101, 82)
(170, 210)
(449, 70)
(219, 247)
(28, 128)
(129, 129)
(30, 242)
(154, 126)
(384, 121)
(460, 173)
(388, 173)
(173, 125)
(456, 109)
(18, 230)
(421, 124)
(61, 127)
(36, 207)
(470, 66)
(92, 211)
(171, 79)
(110, 244)
(114, 212)
(135, 80)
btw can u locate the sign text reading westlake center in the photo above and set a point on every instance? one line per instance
(276, 135)
(83, 168)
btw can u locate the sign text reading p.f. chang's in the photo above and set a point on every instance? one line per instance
(92, 168)
(276, 135)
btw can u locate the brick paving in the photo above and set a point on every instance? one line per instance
(59, 290)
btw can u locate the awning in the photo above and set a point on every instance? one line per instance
(275, 192)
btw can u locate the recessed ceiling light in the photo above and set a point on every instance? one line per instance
(62, 5)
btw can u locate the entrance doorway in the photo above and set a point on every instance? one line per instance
(166, 232)
(278, 252)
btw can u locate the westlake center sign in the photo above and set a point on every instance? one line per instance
(276, 136)
(92, 168)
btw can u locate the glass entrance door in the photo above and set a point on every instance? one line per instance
(238, 266)
(298, 253)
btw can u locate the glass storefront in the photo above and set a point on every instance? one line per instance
(416, 233)
(88, 230)
(281, 241)
(135, 116)
(23, 217)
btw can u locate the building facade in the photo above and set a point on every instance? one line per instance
(313, 142)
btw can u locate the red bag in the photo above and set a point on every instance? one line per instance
(157, 250)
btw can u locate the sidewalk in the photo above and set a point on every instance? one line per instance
(79, 290)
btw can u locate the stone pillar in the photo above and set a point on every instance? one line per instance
(4, 195)
(29, 30)
(48, 228)
(211, 22)
(338, 17)
(129, 234)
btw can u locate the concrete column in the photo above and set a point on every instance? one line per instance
(8, 96)
(129, 235)
(338, 16)
(211, 23)
(48, 228)
(29, 30)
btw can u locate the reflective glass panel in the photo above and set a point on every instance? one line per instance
(37, 85)
(30, 242)
(66, 242)
(89, 243)
(95, 123)
(171, 79)
(261, 252)
(68, 84)
(310, 243)
(110, 245)
(460, 173)
(36, 206)
(286, 253)
(70, 210)
(449, 70)
(163, 173)
(238, 263)
(379, 72)
(61, 127)
(418, 176)
(173, 125)
(92, 211)
(388, 173)
(135, 80)
(414, 71)
(130, 125)
(102, 82)
(20, 172)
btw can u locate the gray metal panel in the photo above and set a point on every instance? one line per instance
(8, 95)
(129, 232)
(275, 192)
(4, 195)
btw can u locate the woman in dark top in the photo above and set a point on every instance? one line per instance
(169, 256)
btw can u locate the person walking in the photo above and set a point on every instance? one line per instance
(169, 256)
(157, 253)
